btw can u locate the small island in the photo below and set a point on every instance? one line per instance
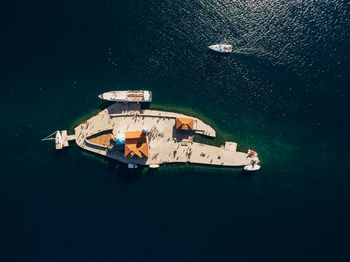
(136, 136)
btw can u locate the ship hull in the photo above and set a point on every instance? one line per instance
(221, 48)
(139, 96)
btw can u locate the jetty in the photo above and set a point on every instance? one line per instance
(132, 135)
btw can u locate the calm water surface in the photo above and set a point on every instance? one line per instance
(283, 91)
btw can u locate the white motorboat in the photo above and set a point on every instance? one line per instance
(253, 167)
(221, 48)
(132, 166)
(59, 140)
(153, 166)
(135, 96)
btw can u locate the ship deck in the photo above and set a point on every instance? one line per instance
(166, 144)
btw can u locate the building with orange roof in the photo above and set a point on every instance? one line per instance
(135, 144)
(184, 123)
(134, 135)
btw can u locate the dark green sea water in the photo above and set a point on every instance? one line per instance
(284, 91)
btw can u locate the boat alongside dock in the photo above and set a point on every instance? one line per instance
(129, 134)
(61, 138)
(130, 96)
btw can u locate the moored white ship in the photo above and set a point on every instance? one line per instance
(127, 96)
(221, 48)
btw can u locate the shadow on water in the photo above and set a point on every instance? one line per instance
(123, 172)
(104, 104)
(145, 106)
(112, 165)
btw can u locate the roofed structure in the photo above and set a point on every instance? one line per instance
(135, 144)
(184, 123)
(134, 134)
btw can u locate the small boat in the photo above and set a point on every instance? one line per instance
(59, 140)
(132, 166)
(153, 166)
(253, 167)
(135, 96)
(221, 48)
